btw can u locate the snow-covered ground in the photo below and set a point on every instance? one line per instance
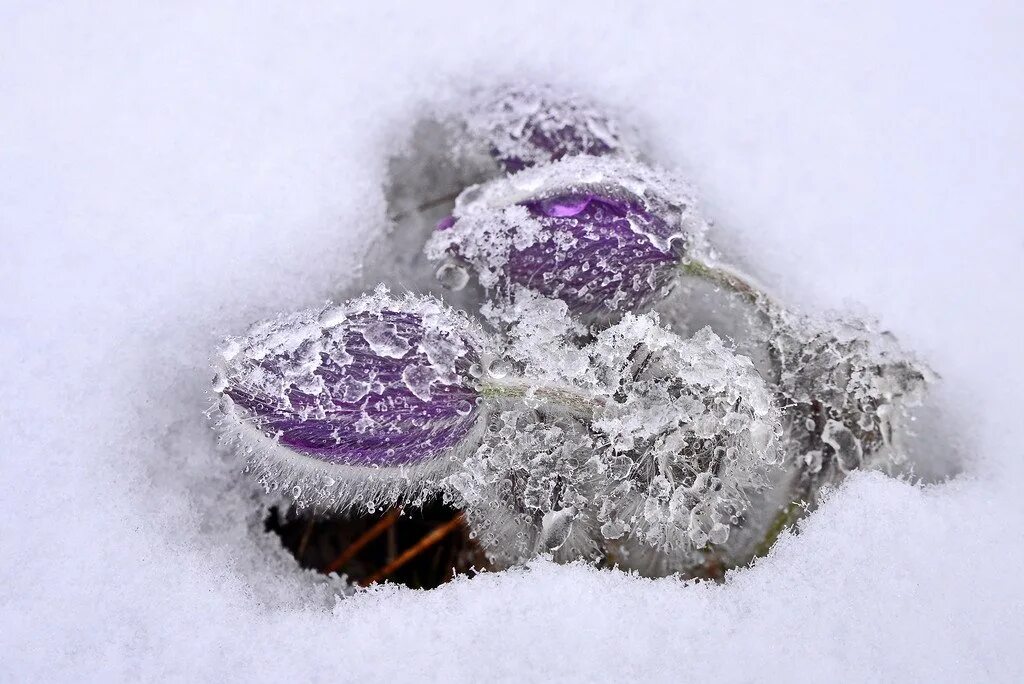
(169, 174)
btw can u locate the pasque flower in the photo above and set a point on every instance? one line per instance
(697, 423)
(849, 391)
(645, 450)
(606, 236)
(524, 125)
(377, 383)
(586, 429)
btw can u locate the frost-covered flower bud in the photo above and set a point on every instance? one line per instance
(848, 391)
(691, 429)
(524, 125)
(374, 390)
(605, 236)
(528, 487)
(646, 452)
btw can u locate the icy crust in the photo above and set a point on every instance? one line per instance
(699, 424)
(848, 392)
(604, 235)
(357, 402)
(658, 191)
(521, 126)
(638, 446)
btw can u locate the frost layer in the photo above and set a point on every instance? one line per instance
(374, 385)
(604, 235)
(640, 445)
(524, 125)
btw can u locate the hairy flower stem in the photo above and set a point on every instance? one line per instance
(767, 308)
(426, 204)
(576, 404)
(803, 497)
(730, 280)
(804, 489)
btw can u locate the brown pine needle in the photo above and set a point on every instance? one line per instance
(434, 536)
(355, 547)
(305, 539)
(429, 204)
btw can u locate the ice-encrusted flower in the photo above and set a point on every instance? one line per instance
(640, 446)
(376, 388)
(524, 125)
(698, 425)
(606, 236)
(848, 392)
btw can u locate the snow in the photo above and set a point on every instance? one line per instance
(170, 174)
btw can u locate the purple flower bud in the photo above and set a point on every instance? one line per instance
(522, 126)
(605, 236)
(373, 382)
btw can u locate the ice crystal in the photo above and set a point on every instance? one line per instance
(847, 391)
(606, 236)
(643, 439)
(335, 399)
(699, 425)
(525, 125)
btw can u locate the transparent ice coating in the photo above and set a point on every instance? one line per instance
(640, 439)
(848, 390)
(607, 236)
(700, 425)
(530, 124)
(377, 383)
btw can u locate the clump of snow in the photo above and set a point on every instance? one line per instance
(165, 183)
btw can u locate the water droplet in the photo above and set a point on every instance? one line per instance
(719, 534)
(332, 317)
(849, 453)
(812, 459)
(452, 275)
(498, 368)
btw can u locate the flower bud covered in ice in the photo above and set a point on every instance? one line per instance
(691, 429)
(376, 383)
(605, 236)
(848, 391)
(527, 125)
(650, 448)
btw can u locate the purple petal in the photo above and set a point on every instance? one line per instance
(371, 395)
(536, 124)
(592, 256)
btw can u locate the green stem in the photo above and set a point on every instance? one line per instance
(730, 280)
(770, 311)
(784, 520)
(580, 405)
